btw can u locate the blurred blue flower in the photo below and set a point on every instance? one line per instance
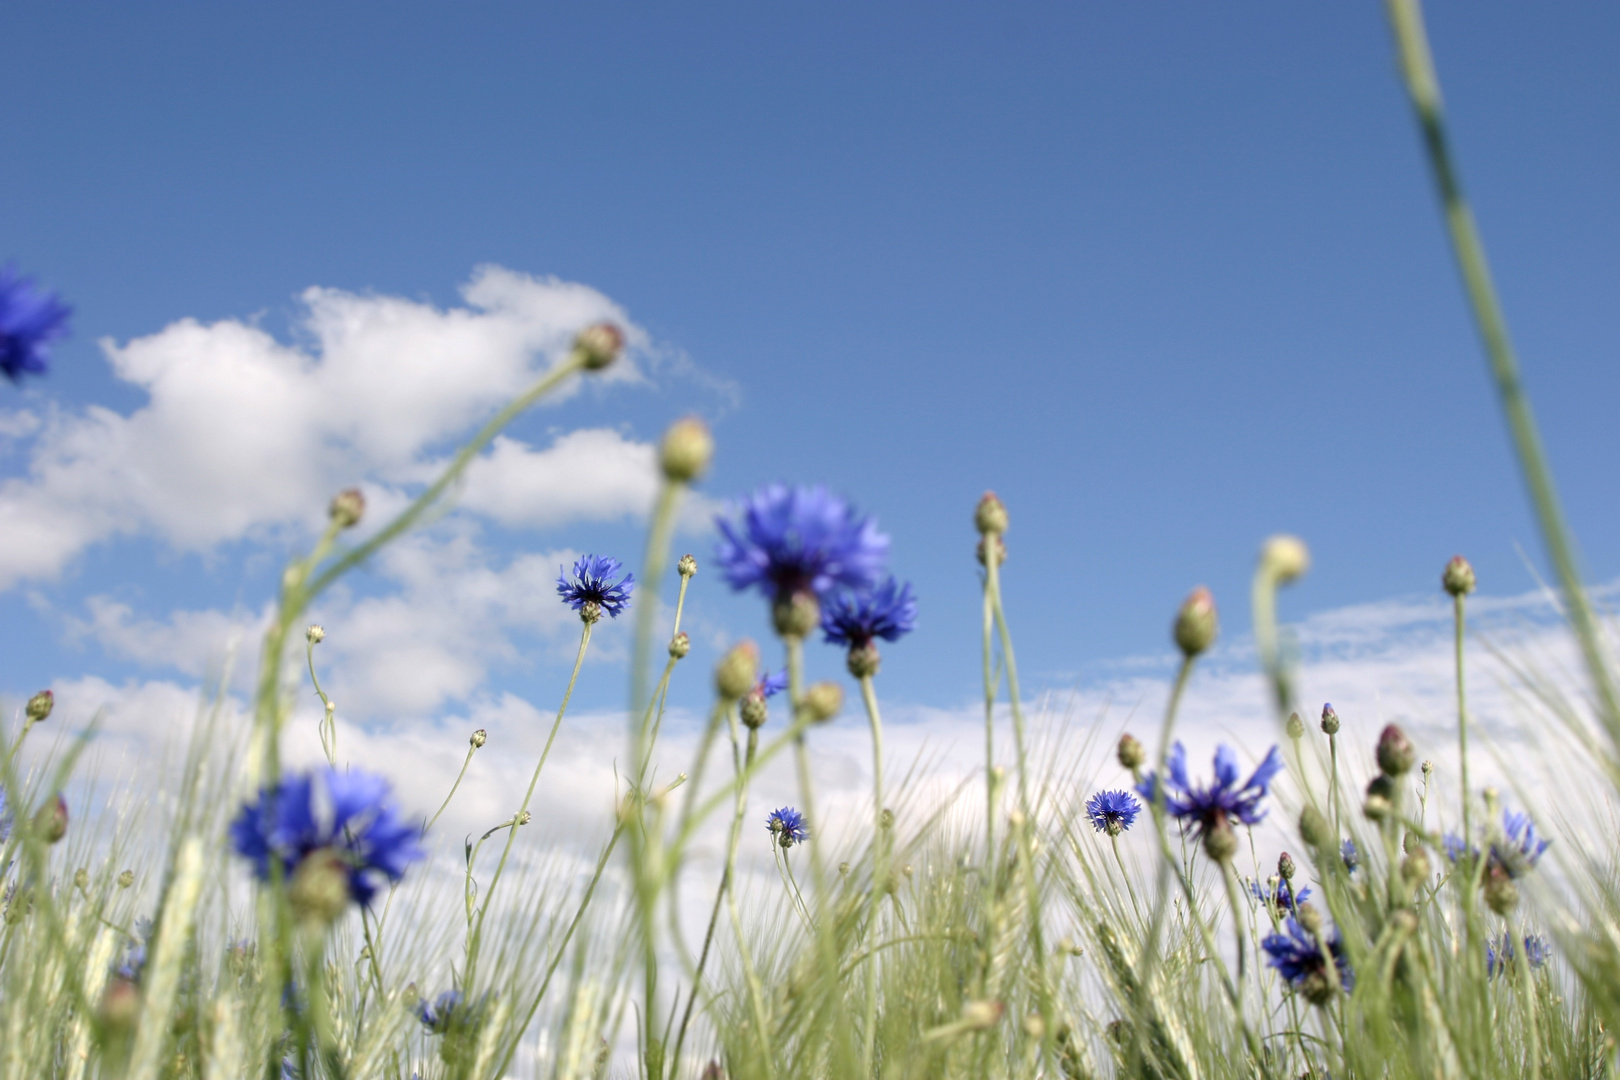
(1515, 856)
(355, 820)
(1283, 899)
(5, 816)
(1500, 954)
(854, 617)
(1219, 803)
(134, 962)
(797, 540)
(438, 1016)
(1351, 857)
(770, 685)
(787, 827)
(1112, 812)
(30, 320)
(589, 584)
(1297, 956)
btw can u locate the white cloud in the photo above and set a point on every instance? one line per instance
(243, 434)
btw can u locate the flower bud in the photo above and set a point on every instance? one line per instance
(1458, 577)
(864, 660)
(796, 614)
(1295, 727)
(687, 566)
(823, 701)
(1377, 808)
(319, 888)
(348, 507)
(40, 706)
(1313, 827)
(680, 645)
(479, 738)
(524, 817)
(1221, 843)
(990, 516)
(735, 674)
(1284, 558)
(51, 821)
(1196, 623)
(1427, 768)
(315, 633)
(120, 1007)
(1285, 867)
(754, 711)
(1132, 754)
(1501, 894)
(1415, 868)
(843, 869)
(886, 819)
(1309, 917)
(996, 544)
(1330, 720)
(81, 878)
(982, 1015)
(686, 450)
(126, 878)
(1395, 753)
(906, 870)
(599, 345)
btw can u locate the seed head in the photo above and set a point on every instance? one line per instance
(40, 706)
(1395, 754)
(1458, 578)
(479, 738)
(1284, 558)
(1330, 720)
(1196, 623)
(686, 450)
(1132, 755)
(680, 645)
(315, 633)
(1295, 727)
(990, 516)
(687, 566)
(347, 508)
(823, 701)
(735, 674)
(599, 345)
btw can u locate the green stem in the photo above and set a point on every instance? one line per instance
(442, 806)
(1418, 72)
(880, 875)
(756, 992)
(1462, 715)
(992, 682)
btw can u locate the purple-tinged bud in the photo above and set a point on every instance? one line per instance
(1295, 727)
(599, 345)
(864, 660)
(1458, 577)
(347, 508)
(993, 543)
(686, 450)
(51, 821)
(479, 738)
(796, 614)
(734, 676)
(990, 516)
(687, 566)
(1330, 720)
(40, 706)
(1284, 558)
(1132, 755)
(823, 701)
(680, 645)
(1196, 623)
(1285, 867)
(753, 710)
(1395, 754)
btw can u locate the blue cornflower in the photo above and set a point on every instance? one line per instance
(5, 817)
(1284, 898)
(589, 584)
(1211, 810)
(356, 823)
(787, 827)
(1500, 954)
(1112, 812)
(791, 541)
(441, 1013)
(770, 685)
(133, 963)
(1297, 955)
(30, 320)
(1351, 857)
(854, 617)
(1515, 856)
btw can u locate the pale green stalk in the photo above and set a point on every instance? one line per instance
(471, 749)
(756, 992)
(328, 718)
(1462, 715)
(173, 943)
(1423, 85)
(992, 682)
(880, 867)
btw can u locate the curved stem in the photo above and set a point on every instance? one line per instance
(464, 763)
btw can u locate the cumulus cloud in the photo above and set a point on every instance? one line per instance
(243, 433)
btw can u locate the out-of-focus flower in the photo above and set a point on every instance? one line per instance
(31, 319)
(854, 617)
(788, 541)
(1212, 809)
(1284, 898)
(1500, 954)
(1296, 953)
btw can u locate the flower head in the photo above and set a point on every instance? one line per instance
(770, 685)
(1214, 807)
(345, 817)
(1351, 857)
(854, 617)
(1513, 856)
(1500, 954)
(1284, 897)
(589, 584)
(30, 320)
(787, 827)
(1112, 812)
(438, 1015)
(799, 540)
(1297, 955)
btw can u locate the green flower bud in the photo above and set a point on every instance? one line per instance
(990, 516)
(753, 710)
(319, 888)
(347, 508)
(598, 346)
(1458, 578)
(795, 616)
(1132, 755)
(479, 738)
(315, 634)
(680, 645)
(1330, 720)
(40, 706)
(1295, 727)
(687, 566)
(686, 450)
(1221, 843)
(1395, 754)
(1313, 827)
(823, 701)
(126, 878)
(1284, 558)
(734, 676)
(1196, 623)
(1285, 867)
(864, 660)
(51, 821)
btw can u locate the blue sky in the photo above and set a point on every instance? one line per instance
(1169, 278)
